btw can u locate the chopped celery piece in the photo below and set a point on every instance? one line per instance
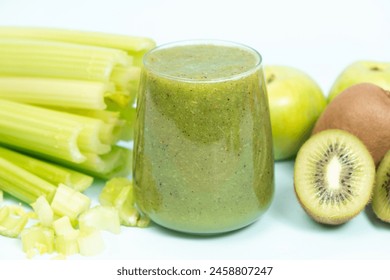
(101, 218)
(66, 244)
(119, 193)
(116, 192)
(1, 196)
(90, 242)
(63, 226)
(143, 221)
(22, 184)
(37, 239)
(13, 219)
(50, 172)
(43, 210)
(55, 92)
(66, 236)
(59, 257)
(129, 216)
(39, 58)
(132, 44)
(69, 202)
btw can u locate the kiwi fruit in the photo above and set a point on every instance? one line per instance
(364, 111)
(381, 195)
(334, 176)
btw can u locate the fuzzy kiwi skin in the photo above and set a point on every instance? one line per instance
(305, 190)
(381, 195)
(363, 110)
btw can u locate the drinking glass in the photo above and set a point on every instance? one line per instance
(203, 159)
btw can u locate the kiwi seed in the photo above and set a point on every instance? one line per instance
(381, 196)
(333, 176)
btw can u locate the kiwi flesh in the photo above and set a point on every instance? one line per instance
(334, 176)
(381, 195)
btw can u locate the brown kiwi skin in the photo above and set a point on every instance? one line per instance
(363, 110)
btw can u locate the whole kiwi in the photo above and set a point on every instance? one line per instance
(363, 110)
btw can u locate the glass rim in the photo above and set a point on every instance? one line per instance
(215, 42)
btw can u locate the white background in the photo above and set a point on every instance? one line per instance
(319, 37)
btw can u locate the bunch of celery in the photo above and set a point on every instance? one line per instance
(68, 96)
(66, 106)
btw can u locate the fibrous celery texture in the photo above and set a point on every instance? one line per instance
(37, 239)
(69, 202)
(75, 88)
(133, 45)
(22, 184)
(50, 172)
(13, 219)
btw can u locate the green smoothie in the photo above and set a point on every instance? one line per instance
(203, 159)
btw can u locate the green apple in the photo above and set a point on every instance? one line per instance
(374, 72)
(296, 101)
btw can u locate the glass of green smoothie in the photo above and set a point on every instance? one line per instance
(203, 158)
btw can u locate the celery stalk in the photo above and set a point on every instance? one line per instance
(50, 172)
(36, 58)
(116, 163)
(40, 130)
(113, 126)
(55, 92)
(54, 133)
(22, 184)
(132, 44)
(121, 76)
(127, 115)
(89, 139)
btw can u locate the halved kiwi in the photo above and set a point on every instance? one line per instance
(381, 195)
(334, 176)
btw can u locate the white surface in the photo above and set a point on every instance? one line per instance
(319, 37)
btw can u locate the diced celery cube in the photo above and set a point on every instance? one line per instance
(101, 218)
(67, 244)
(43, 210)
(69, 202)
(90, 242)
(13, 219)
(37, 239)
